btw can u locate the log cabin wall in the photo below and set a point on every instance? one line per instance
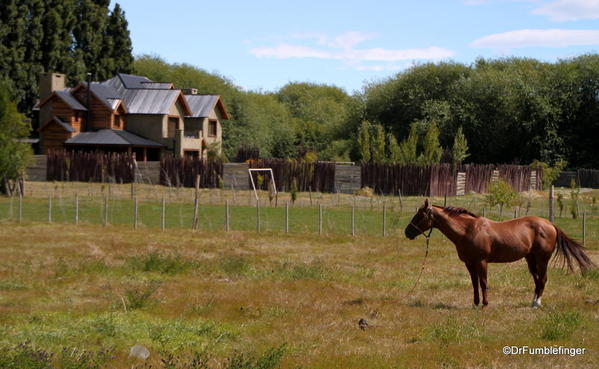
(53, 137)
(101, 116)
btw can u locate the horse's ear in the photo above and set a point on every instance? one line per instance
(426, 203)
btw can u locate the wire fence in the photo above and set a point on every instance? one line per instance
(216, 210)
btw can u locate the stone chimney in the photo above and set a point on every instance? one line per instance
(190, 91)
(50, 82)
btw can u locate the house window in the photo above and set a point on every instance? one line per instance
(172, 126)
(212, 128)
(117, 121)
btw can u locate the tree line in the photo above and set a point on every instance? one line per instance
(74, 37)
(508, 110)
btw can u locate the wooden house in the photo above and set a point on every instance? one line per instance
(128, 113)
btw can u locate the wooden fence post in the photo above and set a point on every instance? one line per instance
(194, 225)
(20, 207)
(286, 216)
(551, 196)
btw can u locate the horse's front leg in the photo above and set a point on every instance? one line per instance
(481, 270)
(474, 277)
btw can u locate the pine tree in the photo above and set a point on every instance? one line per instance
(408, 147)
(13, 18)
(393, 149)
(432, 149)
(33, 53)
(377, 146)
(89, 31)
(459, 150)
(118, 32)
(364, 141)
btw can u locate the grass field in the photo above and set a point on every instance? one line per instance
(80, 296)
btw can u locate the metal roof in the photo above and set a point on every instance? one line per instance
(132, 81)
(147, 101)
(108, 94)
(157, 85)
(201, 105)
(70, 100)
(67, 127)
(111, 137)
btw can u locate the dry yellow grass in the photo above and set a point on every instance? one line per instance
(221, 292)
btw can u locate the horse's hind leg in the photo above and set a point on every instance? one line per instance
(532, 267)
(474, 278)
(542, 261)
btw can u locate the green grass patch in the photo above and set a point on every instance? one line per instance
(559, 325)
(158, 262)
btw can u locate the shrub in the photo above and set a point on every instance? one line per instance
(500, 193)
(159, 263)
(550, 173)
(140, 296)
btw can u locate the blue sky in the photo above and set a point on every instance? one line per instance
(264, 44)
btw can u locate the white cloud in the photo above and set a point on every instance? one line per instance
(569, 10)
(538, 38)
(343, 47)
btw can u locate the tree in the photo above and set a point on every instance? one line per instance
(408, 147)
(364, 141)
(117, 33)
(459, 150)
(377, 144)
(432, 150)
(393, 149)
(13, 153)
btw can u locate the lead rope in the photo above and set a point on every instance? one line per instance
(428, 238)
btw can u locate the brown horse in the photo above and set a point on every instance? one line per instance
(479, 241)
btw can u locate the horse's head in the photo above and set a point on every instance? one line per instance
(421, 222)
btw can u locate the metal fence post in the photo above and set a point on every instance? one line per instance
(287, 217)
(257, 215)
(227, 224)
(49, 209)
(20, 207)
(551, 196)
(353, 220)
(135, 212)
(163, 215)
(76, 209)
(384, 220)
(319, 219)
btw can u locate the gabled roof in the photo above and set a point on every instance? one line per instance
(70, 100)
(111, 137)
(105, 93)
(65, 96)
(202, 105)
(67, 127)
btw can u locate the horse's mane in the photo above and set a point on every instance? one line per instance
(455, 211)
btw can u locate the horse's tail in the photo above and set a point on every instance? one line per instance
(570, 251)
